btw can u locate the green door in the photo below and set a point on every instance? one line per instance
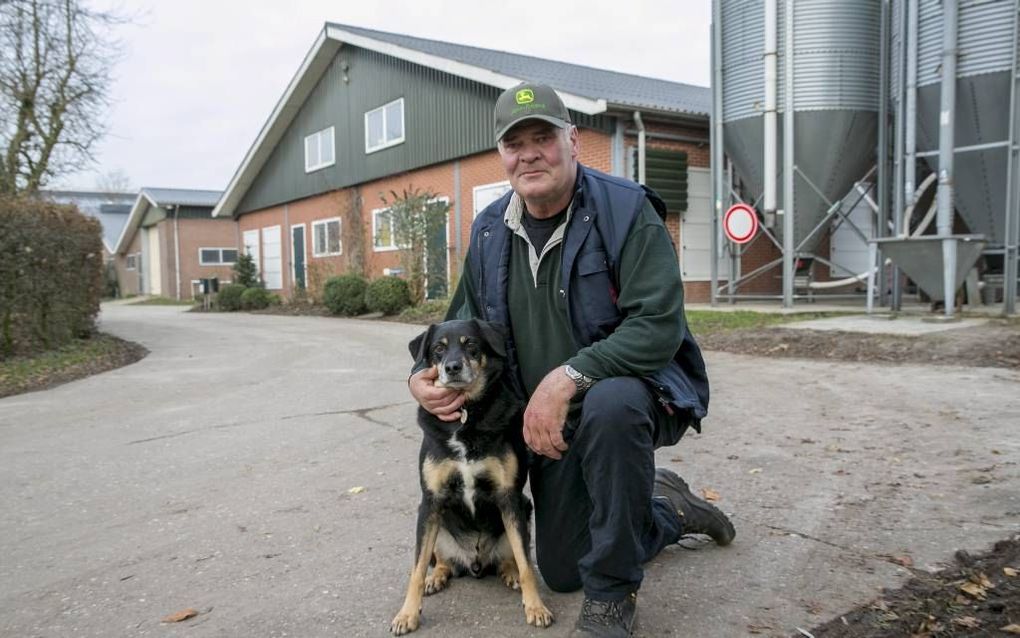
(437, 267)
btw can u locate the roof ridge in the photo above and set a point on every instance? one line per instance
(519, 55)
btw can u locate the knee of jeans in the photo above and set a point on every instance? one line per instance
(558, 576)
(617, 401)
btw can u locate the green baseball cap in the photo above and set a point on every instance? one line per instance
(528, 101)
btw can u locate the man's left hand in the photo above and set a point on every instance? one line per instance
(547, 413)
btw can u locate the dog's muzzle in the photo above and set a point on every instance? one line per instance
(454, 374)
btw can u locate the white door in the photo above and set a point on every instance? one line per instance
(272, 258)
(251, 247)
(847, 251)
(155, 265)
(696, 229)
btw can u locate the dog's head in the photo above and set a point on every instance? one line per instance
(468, 355)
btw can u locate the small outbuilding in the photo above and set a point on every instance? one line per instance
(171, 242)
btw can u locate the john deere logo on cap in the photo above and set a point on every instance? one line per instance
(525, 96)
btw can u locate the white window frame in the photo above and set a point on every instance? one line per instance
(129, 260)
(317, 138)
(386, 143)
(482, 187)
(325, 223)
(375, 227)
(393, 234)
(203, 262)
(272, 265)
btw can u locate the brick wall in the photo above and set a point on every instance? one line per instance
(202, 233)
(127, 280)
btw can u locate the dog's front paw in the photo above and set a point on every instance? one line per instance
(538, 614)
(436, 582)
(509, 575)
(404, 623)
(511, 580)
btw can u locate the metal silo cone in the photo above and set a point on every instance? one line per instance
(835, 101)
(985, 41)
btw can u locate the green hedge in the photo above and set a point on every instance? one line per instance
(255, 299)
(388, 295)
(345, 295)
(51, 275)
(229, 297)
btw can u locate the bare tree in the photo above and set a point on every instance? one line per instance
(114, 181)
(55, 62)
(416, 216)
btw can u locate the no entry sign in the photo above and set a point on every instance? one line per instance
(740, 223)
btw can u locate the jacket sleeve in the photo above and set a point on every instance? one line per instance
(651, 299)
(464, 304)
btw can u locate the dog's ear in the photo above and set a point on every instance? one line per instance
(494, 335)
(420, 345)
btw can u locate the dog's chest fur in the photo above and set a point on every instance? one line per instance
(463, 477)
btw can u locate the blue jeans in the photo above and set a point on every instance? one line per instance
(595, 520)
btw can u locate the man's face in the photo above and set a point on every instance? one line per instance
(540, 162)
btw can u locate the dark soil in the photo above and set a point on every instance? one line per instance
(977, 596)
(995, 344)
(103, 352)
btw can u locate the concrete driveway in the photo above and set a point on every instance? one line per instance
(217, 474)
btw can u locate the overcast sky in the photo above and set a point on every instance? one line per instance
(199, 78)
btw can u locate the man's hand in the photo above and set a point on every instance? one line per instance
(547, 413)
(442, 402)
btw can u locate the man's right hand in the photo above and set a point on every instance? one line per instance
(445, 403)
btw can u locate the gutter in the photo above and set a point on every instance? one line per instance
(641, 150)
(177, 248)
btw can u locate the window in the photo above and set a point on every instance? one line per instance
(319, 150)
(384, 126)
(382, 230)
(217, 256)
(131, 262)
(326, 237)
(488, 193)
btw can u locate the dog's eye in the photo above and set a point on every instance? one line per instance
(471, 347)
(439, 348)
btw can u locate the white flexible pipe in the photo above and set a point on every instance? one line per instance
(909, 212)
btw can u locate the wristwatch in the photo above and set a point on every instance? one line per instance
(581, 381)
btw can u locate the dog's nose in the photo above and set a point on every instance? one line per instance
(453, 368)
(476, 569)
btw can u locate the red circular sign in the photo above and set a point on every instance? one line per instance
(740, 223)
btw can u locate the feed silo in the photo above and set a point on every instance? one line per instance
(831, 99)
(981, 122)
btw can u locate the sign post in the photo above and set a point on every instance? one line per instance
(740, 223)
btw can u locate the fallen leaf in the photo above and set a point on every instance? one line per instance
(356, 490)
(906, 561)
(1009, 571)
(184, 614)
(967, 621)
(1011, 629)
(710, 495)
(982, 579)
(759, 629)
(973, 589)
(756, 470)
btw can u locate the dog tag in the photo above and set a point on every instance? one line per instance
(463, 415)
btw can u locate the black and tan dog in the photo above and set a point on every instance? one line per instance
(473, 517)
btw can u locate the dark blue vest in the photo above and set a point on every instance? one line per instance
(604, 211)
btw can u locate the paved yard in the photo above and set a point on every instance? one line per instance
(217, 474)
